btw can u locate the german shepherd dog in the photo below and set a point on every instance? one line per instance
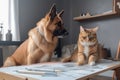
(42, 41)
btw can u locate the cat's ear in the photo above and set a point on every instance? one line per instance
(82, 29)
(95, 29)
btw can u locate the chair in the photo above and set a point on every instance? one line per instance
(117, 71)
(118, 52)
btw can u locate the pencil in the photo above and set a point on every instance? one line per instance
(30, 72)
(44, 70)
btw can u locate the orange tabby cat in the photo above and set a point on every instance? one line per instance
(87, 51)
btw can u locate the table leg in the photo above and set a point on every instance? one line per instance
(117, 73)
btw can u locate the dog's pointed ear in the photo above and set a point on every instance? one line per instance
(52, 12)
(61, 13)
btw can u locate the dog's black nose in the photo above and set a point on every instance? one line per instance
(66, 33)
(61, 32)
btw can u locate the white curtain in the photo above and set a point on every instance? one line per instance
(10, 17)
(14, 19)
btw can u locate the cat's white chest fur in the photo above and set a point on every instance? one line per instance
(86, 50)
(86, 47)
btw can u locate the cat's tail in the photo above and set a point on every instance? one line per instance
(67, 59)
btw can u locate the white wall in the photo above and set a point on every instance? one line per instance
(30, 12)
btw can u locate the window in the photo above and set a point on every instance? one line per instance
(9, 18)
(4, 5)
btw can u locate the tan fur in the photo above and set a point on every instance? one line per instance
(40, 44)
(86, 52)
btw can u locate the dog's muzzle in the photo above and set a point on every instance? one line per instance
(60, 33)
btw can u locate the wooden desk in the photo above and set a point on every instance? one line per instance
(57, 71)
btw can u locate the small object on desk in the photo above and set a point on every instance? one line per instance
(44, 70)
(30, 72)
(42, 73)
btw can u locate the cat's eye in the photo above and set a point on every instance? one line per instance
(91, 37)
(84, 37)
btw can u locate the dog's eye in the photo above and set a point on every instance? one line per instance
(59, 24)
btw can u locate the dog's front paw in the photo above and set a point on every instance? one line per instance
(66, 59)
(80, 63)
